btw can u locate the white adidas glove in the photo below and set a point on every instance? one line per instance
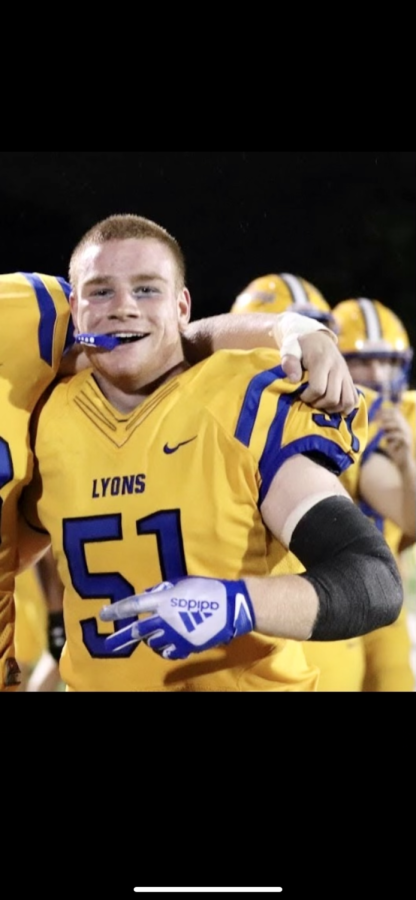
(189, 615)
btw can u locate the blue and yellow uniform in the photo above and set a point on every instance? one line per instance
(174, 489)
(380, 660)
(31, 618)
(35, 330)
(388, 650)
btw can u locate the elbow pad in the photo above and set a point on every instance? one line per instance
(351, 568)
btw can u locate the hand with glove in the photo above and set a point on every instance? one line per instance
(189, 615)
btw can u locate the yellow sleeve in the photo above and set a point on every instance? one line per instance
(275, 425)
(254, 402)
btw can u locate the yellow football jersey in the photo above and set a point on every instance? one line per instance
(341, 664)
(35, 328)
(388, 657)
(376, 440)
(388, 650)
(31, 618)
(173, 489)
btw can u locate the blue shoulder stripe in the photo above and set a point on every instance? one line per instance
(69, 340)
(64, 285)
(48, 316)
(269, 466)
(274, 455)
(251, 402)
(372, 446)
(374, 408)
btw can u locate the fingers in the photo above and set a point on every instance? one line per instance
(133, 634)
(123, 638)
(337, 393)
(291, 347)
(131, 606)
(292, 367)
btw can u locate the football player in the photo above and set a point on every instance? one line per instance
(376, 347)
(349, 665)
(177, 479)
(37, 330)
(284, 293)
(39, 635)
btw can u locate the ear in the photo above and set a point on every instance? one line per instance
(184, 308)
(73, 305)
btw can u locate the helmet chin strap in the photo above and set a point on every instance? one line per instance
(105, 341)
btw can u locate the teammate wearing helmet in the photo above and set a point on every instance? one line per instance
(349, 665)
(284, 293)
(376, 347)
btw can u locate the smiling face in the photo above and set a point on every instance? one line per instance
(131, 287)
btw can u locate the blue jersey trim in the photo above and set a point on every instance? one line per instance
(251, 402)
(374, 408)
(371, 447)
(273, 458)
(48, 316)
(64, 285)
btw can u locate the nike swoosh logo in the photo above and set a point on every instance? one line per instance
(168, 449)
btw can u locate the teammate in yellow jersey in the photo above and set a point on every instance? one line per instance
(177, 480)
(39, 634)
(348, 665)
(35, 330)
(376, 347)
(31, 624)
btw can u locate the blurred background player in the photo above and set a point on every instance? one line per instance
(284, 293)
(35, 330)
(376, 347)
(348, 665)
(39, 634)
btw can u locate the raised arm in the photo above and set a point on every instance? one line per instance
(397, 499)
(301, 340)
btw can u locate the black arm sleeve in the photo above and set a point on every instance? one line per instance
(351, 568)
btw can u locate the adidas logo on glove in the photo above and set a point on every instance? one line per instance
(198, 605)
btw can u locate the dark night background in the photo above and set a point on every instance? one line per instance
(343, 220)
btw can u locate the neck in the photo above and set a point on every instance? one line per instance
(125, 398)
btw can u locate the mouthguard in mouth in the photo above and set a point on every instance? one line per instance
(107, 341)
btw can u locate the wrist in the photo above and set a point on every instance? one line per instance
(244, 615)
(289, 328)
